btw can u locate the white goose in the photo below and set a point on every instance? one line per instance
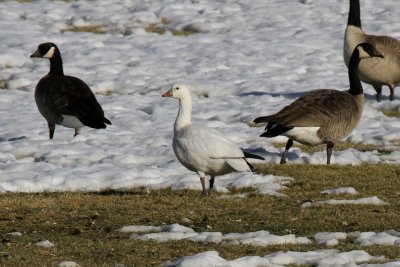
(201, 149)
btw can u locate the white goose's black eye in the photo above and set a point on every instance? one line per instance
(177, 88)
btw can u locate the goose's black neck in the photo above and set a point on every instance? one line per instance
(355, 83)
(354, 14)
(56, 67)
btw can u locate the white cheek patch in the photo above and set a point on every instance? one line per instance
(305, 135)
(71, 121)
(362, 53)
(50, 53)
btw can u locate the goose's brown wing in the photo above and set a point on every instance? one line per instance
(313, 109)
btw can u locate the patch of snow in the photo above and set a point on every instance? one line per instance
(361, 201)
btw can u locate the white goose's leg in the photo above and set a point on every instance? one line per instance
(212, 178)
(203, 183)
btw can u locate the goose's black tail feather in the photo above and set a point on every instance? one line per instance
(252, 156)
(249, 164)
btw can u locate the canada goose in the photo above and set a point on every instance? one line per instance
(201, 149)
(65, 100)
(374, 71)
(322, 116)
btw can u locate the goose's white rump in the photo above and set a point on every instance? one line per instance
(202, 149)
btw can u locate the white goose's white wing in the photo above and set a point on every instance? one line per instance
(200, 148)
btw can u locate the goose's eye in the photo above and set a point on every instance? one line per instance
(177, 88)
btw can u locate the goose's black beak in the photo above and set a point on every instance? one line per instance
(36, 54)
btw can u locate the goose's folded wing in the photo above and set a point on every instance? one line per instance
(210, 143)
(314, 108)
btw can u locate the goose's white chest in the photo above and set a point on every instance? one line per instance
(71, 121)
(305, 135)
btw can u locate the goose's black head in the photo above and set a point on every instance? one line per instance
(366, 50)
(46, 50)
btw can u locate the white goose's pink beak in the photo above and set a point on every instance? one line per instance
(167, 94)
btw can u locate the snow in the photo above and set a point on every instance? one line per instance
(68, 264)
(340, 190)
(366, 200)
(179, 232)
(322, 258)
(249, 58)
(45, 244)
(259, 238)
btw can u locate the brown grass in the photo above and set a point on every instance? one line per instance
(83, 225)
(162, 28)
(392, 113)
(97, 29)
(340, 146)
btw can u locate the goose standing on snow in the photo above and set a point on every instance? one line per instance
(322, 116)
(65, 100)
(201, 149)
(374, 71)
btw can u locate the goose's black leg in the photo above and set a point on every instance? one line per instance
(329, 147)
(378, 89)
(284, 156)
(391, 97)
(52, 127)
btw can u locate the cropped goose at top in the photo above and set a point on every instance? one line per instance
(202, 149)
(374, 71)
(322, 116)
(65, 100)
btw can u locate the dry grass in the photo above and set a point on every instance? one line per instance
(340, 146)
(392, 113)
(97, 29)
(162, 28)
(83, 225)
(159, 29)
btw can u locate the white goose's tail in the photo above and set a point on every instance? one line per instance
(242, 164)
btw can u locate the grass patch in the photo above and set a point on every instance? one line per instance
(83, 225)
(97, 29)
(159, 29)
(391, 113)
(19, 1)
(340, 146)
(2, 84)
(30, 1)
(162, 28)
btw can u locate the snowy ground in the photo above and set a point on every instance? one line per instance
(249, 58)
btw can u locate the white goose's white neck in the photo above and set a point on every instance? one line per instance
(184, 117)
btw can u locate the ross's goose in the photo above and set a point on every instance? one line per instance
(202, 149)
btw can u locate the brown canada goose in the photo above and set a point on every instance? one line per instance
(322, 116)
(65, 100)
(374, 71)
